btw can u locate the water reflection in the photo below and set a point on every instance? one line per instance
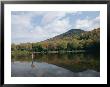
(56, 65)
(75, 62)
(32, 64)
(12, 60)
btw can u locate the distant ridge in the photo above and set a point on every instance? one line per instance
(73, 31)
(69, 33)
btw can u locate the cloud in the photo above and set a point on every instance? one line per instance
(53, 25)
(55, 28)
(55, 15)
(52, 16)
(88, 23)
(58, 26)
(50, 24)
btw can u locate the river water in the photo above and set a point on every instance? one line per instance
(57, 65)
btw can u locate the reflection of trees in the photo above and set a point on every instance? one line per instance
(13, 57)
(13, 60)
(70, 61)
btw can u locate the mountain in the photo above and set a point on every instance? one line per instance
(69, 34)
(74, 39)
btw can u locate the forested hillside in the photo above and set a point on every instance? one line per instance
(74, 39)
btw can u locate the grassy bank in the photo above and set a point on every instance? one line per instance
(19, 53)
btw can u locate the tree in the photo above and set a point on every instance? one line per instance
(13, 47)
(51, 47)
(37, 47)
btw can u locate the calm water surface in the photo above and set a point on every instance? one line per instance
(56, 65)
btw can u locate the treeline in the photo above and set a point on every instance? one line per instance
(85, 41)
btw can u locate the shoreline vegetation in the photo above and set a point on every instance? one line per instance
(19, 53)
(72, 41)
(29, 53)
(74, 51)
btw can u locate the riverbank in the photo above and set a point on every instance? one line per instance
(62, 51)
(74, 51)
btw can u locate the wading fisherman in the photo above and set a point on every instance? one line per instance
(32, 65)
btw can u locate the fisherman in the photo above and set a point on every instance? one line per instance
(32, 65)
(32, 56)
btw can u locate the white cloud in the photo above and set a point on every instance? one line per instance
(52, 24)
(83, 23)
(53, 16)
(21, 23)
(88, 24)
(52, 29)
(58, 26)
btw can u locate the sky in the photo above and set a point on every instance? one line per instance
(36, 26)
